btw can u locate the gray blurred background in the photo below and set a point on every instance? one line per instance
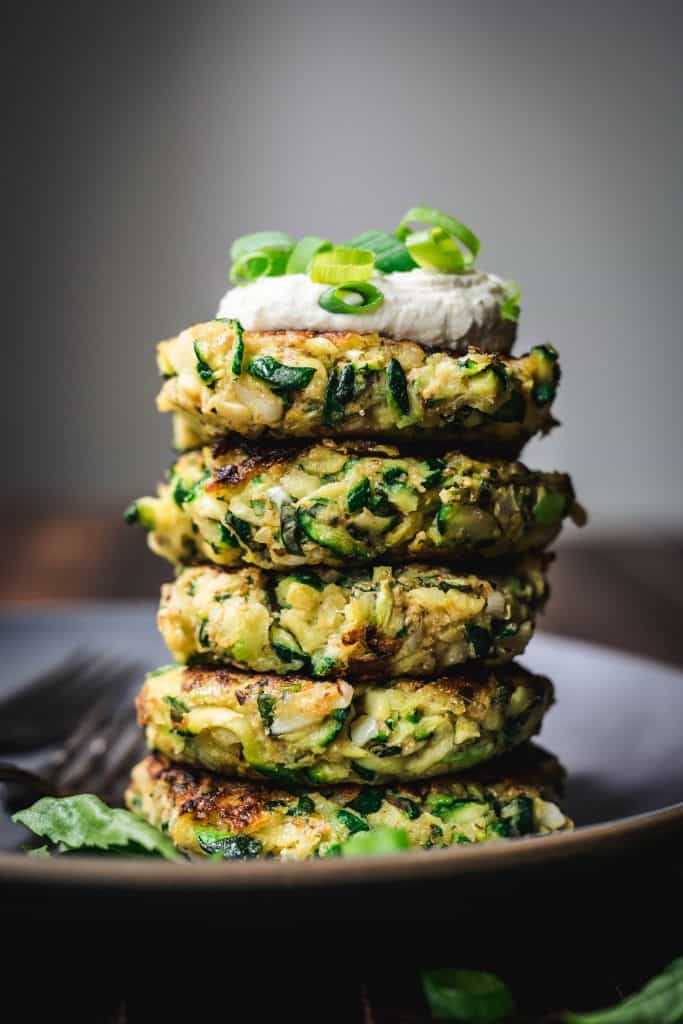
(145, 137)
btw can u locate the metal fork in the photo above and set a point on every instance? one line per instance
(43, 710)
(98, 752)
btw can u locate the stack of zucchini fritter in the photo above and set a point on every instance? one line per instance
(358, 562)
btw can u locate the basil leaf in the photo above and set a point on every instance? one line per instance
(278, 376)
(85, 823)
(470, 996)
(660, 1002)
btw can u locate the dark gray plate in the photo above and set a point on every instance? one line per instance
(618, 728)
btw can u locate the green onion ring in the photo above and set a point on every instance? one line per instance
(333, 299)
(249, 267)
(258, 241)
(436, 250)
(259, 263)
(302, 254)
(437, 219)
(342, 265)
(391, 255)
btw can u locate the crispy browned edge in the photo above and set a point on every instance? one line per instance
(292, 336)
(238, 805)
(254, 457)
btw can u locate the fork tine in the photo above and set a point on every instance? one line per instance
(101, 743)
(93, 694)
(78, 681)
(88, 743)
(56, 692)
(71, 663)
(15, 710)
(115, 766)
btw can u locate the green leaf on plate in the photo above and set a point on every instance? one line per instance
(660, 1002)
(470, 996)
(85, 823)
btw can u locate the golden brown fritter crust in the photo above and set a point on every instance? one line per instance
(319, 732)
(205, 814)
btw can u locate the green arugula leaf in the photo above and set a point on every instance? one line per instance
(470, 996)
(85, 823)
(660, 1002)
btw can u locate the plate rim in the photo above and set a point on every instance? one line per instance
(547, 851)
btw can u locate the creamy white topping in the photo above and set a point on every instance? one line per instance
(448, 311)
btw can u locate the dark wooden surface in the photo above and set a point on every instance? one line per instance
(622, 591)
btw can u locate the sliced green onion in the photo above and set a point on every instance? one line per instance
(260, 240)
(302, 254)
(334, 300)
(260, 263)
(510, 310)
(436, 219)
(261, 254)
(340, 265)
(390, 254)
(436, 250)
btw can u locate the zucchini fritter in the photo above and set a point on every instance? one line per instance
(204, 814)
(302, 384)
(366, 624)
(339, 504)
(302, 730)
